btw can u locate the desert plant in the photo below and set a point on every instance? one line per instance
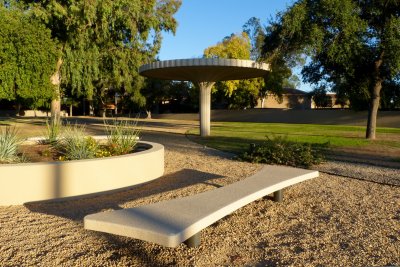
(122, 136)
(278, 150)
(9, 142)
(75, 144)
(53, 131)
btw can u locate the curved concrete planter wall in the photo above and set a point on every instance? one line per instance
(28, 182)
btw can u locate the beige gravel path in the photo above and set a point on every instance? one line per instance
(328, 221)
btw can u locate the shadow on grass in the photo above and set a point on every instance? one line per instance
(235, 145)
(77, 208)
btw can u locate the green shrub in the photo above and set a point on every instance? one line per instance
(122, 136)
(278, 150)
(9, 142)
(75, 144)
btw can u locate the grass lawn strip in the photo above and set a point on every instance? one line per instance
(235, 137)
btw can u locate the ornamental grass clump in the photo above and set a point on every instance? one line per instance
(122, 136)
(53, 131)
(9, 142)
(278, 150)
(75, 144)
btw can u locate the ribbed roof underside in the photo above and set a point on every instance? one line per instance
(204, 69)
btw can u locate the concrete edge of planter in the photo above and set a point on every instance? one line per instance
(31, 182)
(37, 139)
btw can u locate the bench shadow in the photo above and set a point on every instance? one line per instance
(78, 207)
(146, 255)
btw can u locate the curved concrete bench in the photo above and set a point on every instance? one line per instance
(172, 222)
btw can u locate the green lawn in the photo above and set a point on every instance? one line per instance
(236, 136)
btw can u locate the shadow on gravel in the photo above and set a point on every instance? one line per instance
(77, 208)
(365, 158)
(142, 252)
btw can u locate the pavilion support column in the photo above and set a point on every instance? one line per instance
(205, 107)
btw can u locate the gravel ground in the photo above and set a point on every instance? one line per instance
(376, 174)
(328, 221)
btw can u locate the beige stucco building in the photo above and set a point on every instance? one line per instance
(293, 99)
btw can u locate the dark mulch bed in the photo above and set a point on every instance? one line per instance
(39, 153)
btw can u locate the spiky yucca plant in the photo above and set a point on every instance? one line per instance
(53, 130)
(122, 136)
(9, 142)
(75, 144)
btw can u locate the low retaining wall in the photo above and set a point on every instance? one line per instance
(30, 113)
(324, 116)
(29, 182)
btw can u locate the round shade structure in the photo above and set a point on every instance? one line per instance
(204, 72)
(204, 69)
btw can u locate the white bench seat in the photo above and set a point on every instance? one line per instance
(171, 222)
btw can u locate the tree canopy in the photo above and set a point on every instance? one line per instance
(115, 37)
(238, 93)
(27, 58)
(103, 43)
(248, 45)
(236, 46)
(352, 45)
(281, 75)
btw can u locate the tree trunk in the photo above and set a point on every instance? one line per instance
(157, 108)
(262, 102)
(375, 99)
(18, 108)
(70, 110)
(56, 109)
(148, 114)
(84, 107)
(373, 111)
(56, 101)
(91, 108)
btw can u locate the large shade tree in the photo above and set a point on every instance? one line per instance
(27, 58)
(353, 46)
(281, 75)
(102, 43)
(239, 93)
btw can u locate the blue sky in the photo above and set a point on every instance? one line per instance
(203, 23)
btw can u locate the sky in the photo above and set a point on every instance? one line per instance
(203, 23)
